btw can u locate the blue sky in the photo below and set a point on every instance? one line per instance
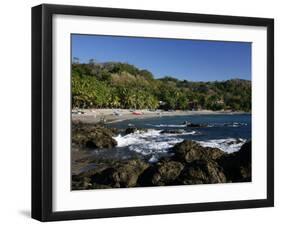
(194, 60)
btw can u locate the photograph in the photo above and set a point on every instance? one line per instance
(159, 112)
(145, 112)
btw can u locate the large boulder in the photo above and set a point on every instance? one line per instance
(162, 173)
(237, 166)
(100, 139)
(123, 174)
(188, 151)
(93, 136)
(201, 172)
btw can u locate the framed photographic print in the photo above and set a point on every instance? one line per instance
(145, 112)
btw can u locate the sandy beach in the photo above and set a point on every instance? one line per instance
(93, 116)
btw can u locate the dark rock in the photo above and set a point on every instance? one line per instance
(237, 166)
(188, 151)
(191, 164)
(236, 141)
(130, 130)
(101, 141)
(114, 131)
(122, 175)
(172, 131)
(194, 125)
(80, 183)
(201, 172)
(93, 136)
(163, 173)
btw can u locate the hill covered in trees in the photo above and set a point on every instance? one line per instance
(121, 85)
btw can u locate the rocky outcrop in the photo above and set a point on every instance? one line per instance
(162, 173)
(115, 175)
(237, 166)
(191, 164)
(130, 130)
(172, 131)
(100, 138)
(201, 172)
(93, 136)
(122, 175)
(188, 151)
(194, 125)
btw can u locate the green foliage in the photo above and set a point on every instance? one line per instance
(121, 85)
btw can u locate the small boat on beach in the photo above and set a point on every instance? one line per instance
(137, 113)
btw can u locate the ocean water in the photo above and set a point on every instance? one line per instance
(226, 132)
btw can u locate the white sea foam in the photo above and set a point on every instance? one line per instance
(228, 145)
(150, 142)
(231, 124)
(169, 125)
(153, 143)
(236, 124)
(153, 159)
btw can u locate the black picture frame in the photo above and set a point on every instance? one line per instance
(42, 111)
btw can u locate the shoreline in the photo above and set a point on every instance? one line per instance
(94, 116)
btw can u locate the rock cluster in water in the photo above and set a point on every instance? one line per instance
(190, 164)
(93, 136)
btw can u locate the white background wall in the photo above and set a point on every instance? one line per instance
(15, 114)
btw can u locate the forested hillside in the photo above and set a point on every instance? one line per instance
(121, 85)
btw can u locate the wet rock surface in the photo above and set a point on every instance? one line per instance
(188, 151)
(93, 136)
(191, 164)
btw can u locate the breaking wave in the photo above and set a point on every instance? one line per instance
(168, 125)
(228, 145)
(151, 143)
(231, 124)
